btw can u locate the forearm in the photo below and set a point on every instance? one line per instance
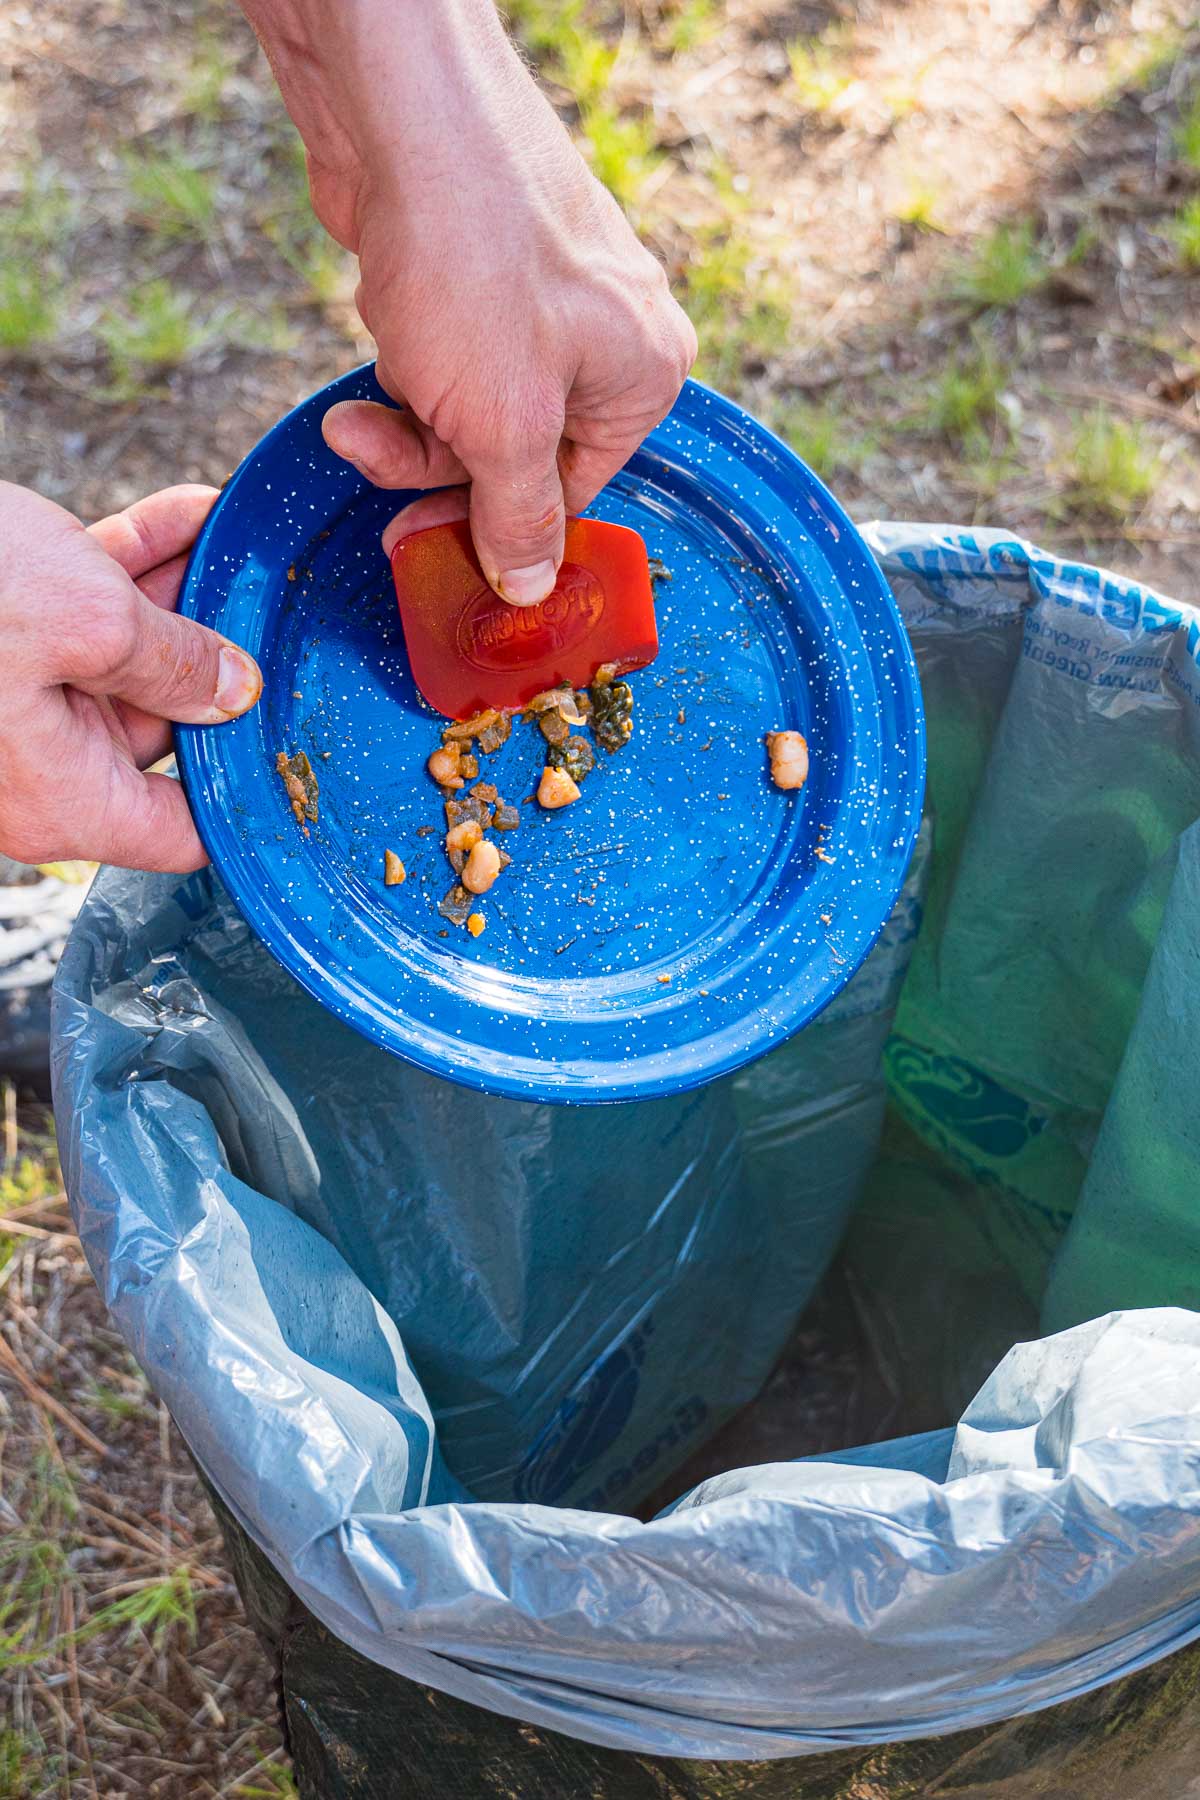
(395, 82)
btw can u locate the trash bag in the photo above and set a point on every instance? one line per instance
(430, 1348)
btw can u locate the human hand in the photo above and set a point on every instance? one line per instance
(96, 663)
(532, 338)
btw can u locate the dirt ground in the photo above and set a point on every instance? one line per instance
(950, 248)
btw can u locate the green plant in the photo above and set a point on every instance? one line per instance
(584, 65)
(919, 206)
(268, 1784)
(1187, 133)
(35, 232)
(29, 311)
(157, 330)
(568, 50)
(738, 309)
(313, 256)
(115, 1404)
(1005, 266)
(153, 1609)
(621, 148)
(1082, 244)
(288, 222)
(173, 196)
(824, 436)
(819, 72)
(33, 1174)
(160, 328)
(544, 25)
(43, 217)
(1108, 468)
(34, 1563)
(25, 1768)
(688, 23)
(208, 75)
(1138, 63)
(964, 403)
(984, 469)
(1184, 232)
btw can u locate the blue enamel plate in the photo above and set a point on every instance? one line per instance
(684, 915)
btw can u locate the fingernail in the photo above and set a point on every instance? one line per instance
(525, 587)
(238, 681)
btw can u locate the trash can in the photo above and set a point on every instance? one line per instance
(433, 1351)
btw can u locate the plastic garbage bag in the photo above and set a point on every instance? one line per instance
(426, 1346)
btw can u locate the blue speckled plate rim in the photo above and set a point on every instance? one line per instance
(197, 750)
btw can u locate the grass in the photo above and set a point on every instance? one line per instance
(288, 222)
(1187, 133)
(30, 1175)
(902, 95)
(1109, 469)
(172, 195)
(1139, 64)
(269, 1784)
(313, 257)
(156, 330)
(820, 75)
(920, 205)
(687, 24)
(115, 1404)
(824, 436)
(152, 1611)
(21, 1761)
(620, 147)
(570, 53)
(29, 310)
(34, 1564)
(160, 329)
(1086, 239)
(739, 313)
(42, 218)
(963, 405)
(33, 236)
(208, 75)
(1184, 232)
(1005, 266)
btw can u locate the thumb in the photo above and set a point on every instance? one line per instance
(518, 521)
(162, 663)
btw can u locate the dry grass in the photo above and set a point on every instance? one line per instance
(125, 1666)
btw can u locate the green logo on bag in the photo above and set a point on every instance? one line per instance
(967, 1105)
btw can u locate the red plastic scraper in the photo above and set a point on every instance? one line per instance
(470, 650)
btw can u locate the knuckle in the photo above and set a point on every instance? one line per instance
(100, 635)
(182, 668)
(507, 426)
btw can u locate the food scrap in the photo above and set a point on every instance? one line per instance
(483, 866)
(612, 709)
(556, 788)
(456, 906)
(574, 756)
(475, 923)
(394, 871)
(788, 752)
(606, 707)
(445, 765)
(300, 785)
